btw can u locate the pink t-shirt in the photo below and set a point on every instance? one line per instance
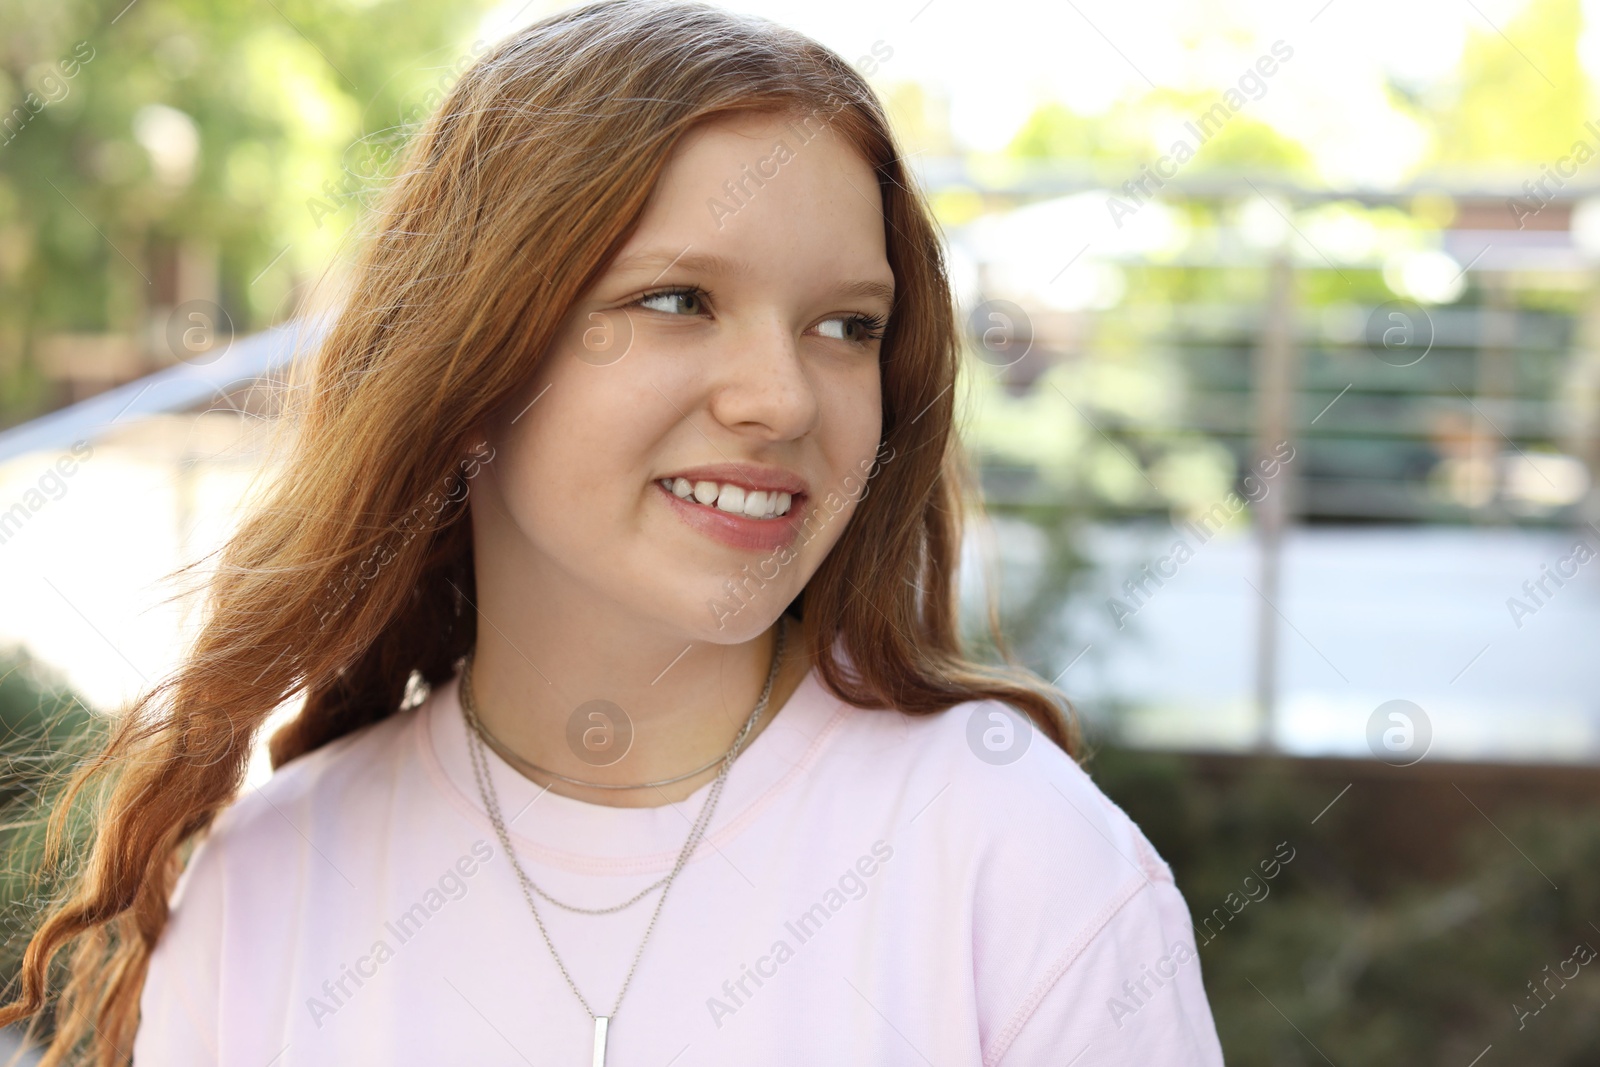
(870, 891)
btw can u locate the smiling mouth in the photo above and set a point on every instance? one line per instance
(731, 499)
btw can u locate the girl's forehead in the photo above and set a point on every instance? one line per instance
(747, 192)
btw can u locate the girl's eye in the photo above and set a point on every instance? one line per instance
(675, 301)
(859, 329)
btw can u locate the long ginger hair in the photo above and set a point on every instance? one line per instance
(507, 205)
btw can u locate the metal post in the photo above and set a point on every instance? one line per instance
(1496, 388)
(1580, 401)
(1274, 387)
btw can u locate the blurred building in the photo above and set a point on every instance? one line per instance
(1427, 356)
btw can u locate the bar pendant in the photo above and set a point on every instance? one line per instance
(600, 1022)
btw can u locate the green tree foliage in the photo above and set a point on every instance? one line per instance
(1384, 940)
(1056, 132)
(271, 96)
(1520, 96)
(1126, 136)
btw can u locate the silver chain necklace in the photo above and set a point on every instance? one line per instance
(491, 802)
(505, 752)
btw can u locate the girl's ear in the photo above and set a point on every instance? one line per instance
(477, 440)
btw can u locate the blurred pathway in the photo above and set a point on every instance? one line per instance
(1373, 614)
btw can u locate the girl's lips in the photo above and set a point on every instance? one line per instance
(738, 531)
(747, 476)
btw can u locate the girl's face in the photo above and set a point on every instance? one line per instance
(701, 430)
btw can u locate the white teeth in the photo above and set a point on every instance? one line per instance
(734, 499)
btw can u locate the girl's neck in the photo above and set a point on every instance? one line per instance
(568, 706)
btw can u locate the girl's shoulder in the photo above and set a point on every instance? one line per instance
(256, 848)
(989, 779)
(1062, 895)
(334, 781)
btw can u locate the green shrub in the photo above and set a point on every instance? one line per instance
(1376, 958)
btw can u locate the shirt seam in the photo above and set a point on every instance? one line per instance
(646, 864)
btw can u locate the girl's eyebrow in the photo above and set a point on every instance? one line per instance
(699, 262)
(870, 290)
(709, 263)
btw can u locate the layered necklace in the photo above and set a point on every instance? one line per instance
(479, 737)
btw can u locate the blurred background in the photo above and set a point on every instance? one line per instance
(1283, 382)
